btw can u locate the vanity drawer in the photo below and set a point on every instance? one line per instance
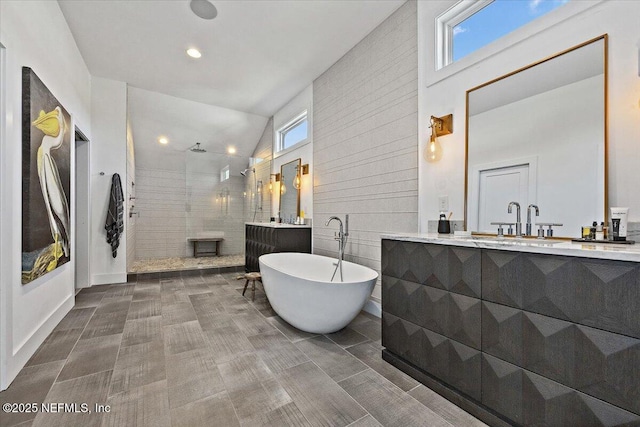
(453, 315)
(601, 293)
(530, 399)
(448, 268)
(448, 360)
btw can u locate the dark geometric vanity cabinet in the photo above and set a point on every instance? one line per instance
(513, 337)
(266, 239)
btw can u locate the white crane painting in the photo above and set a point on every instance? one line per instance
(46, 180)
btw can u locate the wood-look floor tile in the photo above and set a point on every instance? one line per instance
(318, 397)
(197, 288)
(89, 389)
(369, 328)
(88, 299)
(277, 351)
(56, 346)
(206, 303)
(258, 398)
(192, 376)
(144, 308)
(175, 284)
(372, 357)
(138, 365)
(227, 342)
(235, 304)
(114, 304)
(174, 297)
(120, 290)
(147, 286)
(183, 337)
(387, 403)
(146, 406)
(244, 370)
(76, 318)
(142, 330)
(30, 386)
(90, 356)
(347, 337)
(286, 415)
(102, 324)
(178, 313)
(294, 334)
(367, 421)
(447, 410)
(252, 323)
(214, 320)
(331, 358)
(146, 295)
(213, 410)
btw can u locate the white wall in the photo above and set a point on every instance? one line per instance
(108, 156)
(365, 138)
(443, 92)
(130, 201)
(302, 101)
(29, 313)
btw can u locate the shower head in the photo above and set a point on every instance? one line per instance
(247, 170)
(196, 148)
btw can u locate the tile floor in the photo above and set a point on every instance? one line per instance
(192, 351)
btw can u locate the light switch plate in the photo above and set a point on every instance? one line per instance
(443, 203)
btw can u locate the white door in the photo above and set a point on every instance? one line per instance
(497, 188)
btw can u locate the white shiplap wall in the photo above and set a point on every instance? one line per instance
(365, 149)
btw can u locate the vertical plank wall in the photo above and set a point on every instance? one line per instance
(365, 136)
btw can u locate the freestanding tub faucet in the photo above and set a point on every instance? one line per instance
(518, 220)
(341, 237)
(528, 232)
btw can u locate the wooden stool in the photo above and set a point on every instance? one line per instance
(250, 277)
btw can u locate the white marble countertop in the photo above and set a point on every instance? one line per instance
(276, 225)
(553, 247)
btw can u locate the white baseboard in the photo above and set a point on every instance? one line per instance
(373, 307)
(107, 279)
(31, 344)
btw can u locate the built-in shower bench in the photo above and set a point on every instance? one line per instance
(214, 237)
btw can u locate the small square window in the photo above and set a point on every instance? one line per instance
(224, 173)
(292, 133)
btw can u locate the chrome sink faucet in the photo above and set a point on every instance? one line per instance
(528, 232)
(518, 220)
(341, 237)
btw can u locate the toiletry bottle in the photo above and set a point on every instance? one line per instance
(586, 232)
(605, 231)
(600, 232)
(592, 233)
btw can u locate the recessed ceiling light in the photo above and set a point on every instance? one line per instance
(163, 140)
(194, 53)
(203, 9)
(231, 150)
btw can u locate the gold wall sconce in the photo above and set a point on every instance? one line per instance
(439, 126)
(297, 180)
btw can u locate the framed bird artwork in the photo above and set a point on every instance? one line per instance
(46, 180)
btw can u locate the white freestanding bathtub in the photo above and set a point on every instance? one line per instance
(300, 290)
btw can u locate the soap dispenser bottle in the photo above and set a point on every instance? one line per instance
(600, 232)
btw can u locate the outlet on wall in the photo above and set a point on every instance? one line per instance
(443, 203)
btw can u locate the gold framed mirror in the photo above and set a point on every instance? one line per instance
(538, 135)
(289, 194)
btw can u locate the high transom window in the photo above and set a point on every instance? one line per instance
(292, 133)
(472, 24)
